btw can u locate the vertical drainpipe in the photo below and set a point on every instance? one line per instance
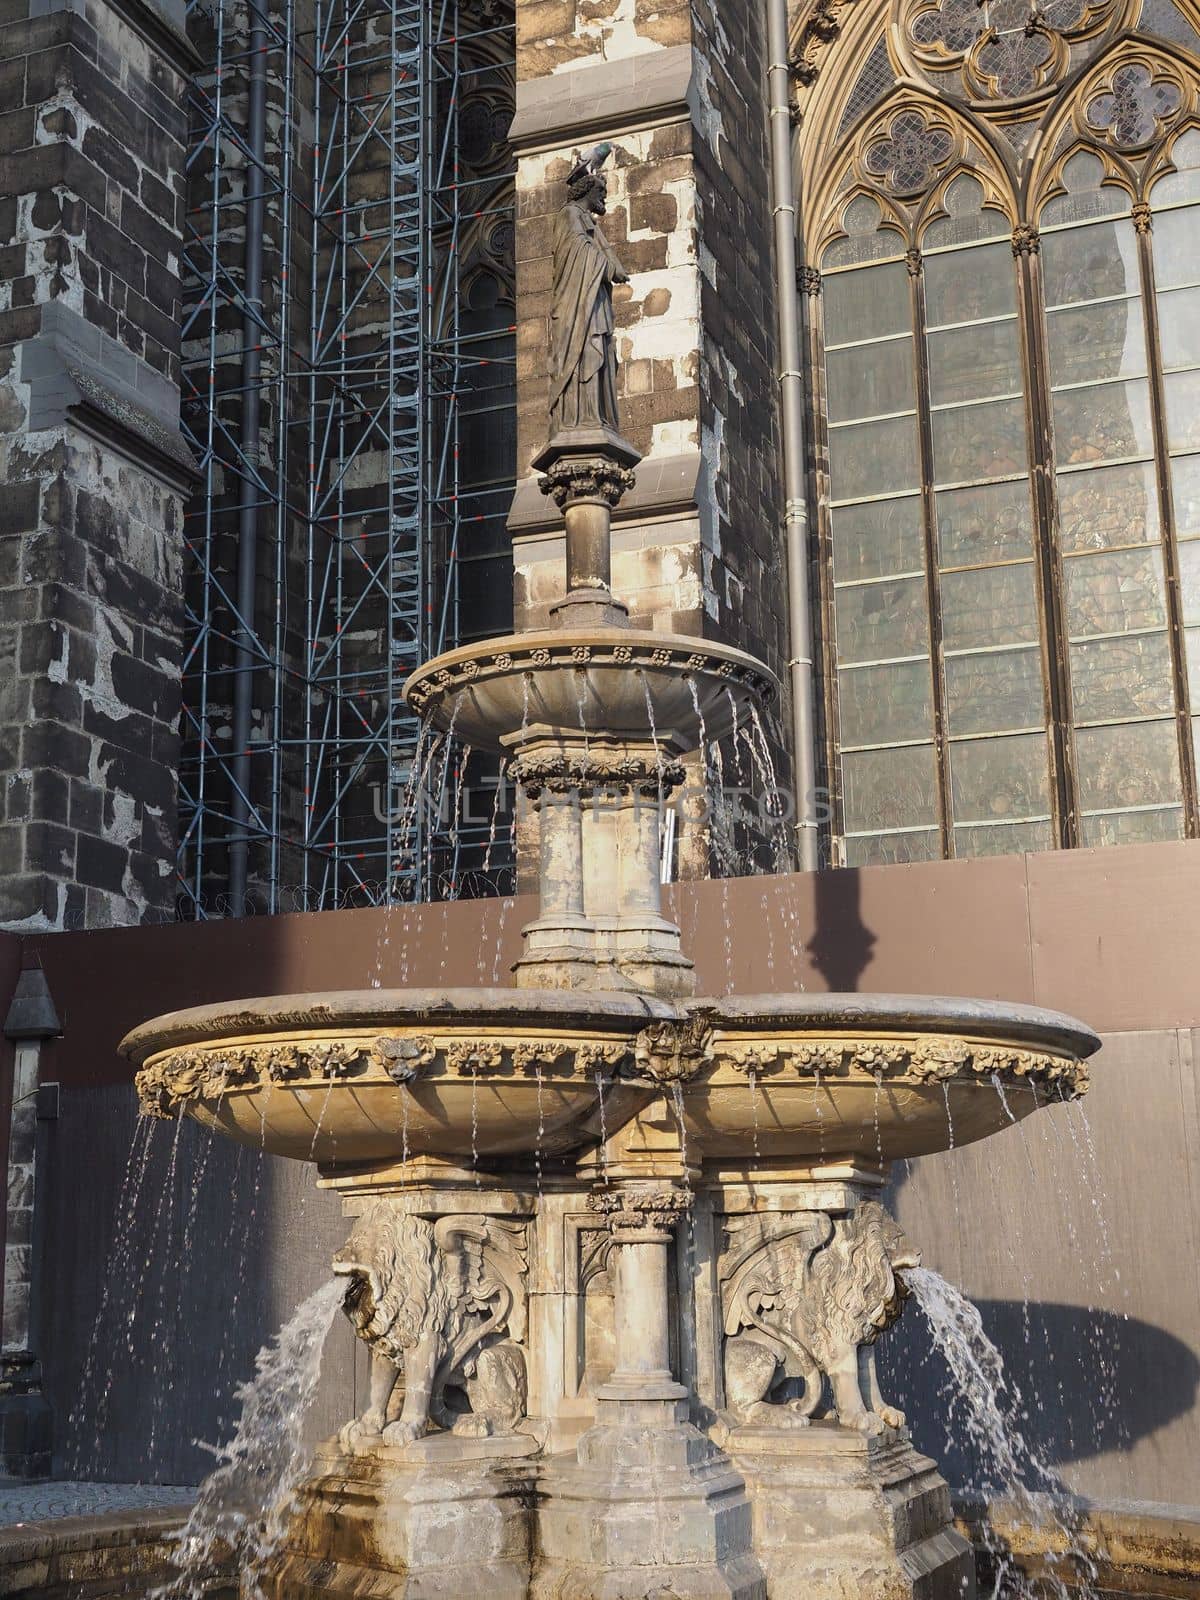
(25, 1416)
(247, 544)
(791, 394)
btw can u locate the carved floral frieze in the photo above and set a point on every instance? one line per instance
(575, 772)
(669, 1053)
(198, 1073)
(447, 682)
(931, 1058)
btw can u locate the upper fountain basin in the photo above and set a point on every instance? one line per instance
(626, 683)
(363, 1078)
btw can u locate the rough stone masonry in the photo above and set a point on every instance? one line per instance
(91, 459)
(678, 89)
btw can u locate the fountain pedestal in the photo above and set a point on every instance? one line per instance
(586, 471)
(649, 1505)
(597, 805)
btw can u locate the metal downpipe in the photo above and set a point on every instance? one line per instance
(791, 395)
(247, 543)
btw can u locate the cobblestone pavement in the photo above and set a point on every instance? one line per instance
(37, 1502)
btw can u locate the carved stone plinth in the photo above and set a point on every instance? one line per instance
(439, 1519)
(841, 1515)
(644, 1511)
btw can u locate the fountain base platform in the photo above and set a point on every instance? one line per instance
(640, 1510)
(839, 1513)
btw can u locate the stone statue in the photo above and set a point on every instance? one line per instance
(443, 1303)
(583, 357)
(809, 1303)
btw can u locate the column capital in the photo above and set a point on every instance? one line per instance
(641, 1212)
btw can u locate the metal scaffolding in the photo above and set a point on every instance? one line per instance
(347, 325)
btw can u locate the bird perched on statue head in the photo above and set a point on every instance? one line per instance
(589, 163)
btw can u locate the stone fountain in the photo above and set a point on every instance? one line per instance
(618, 1250)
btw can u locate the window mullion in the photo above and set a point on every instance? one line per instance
(1142, 221)
(825, 641)
(1051, 589)
(933, 593)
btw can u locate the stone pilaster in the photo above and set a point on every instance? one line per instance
(26, 1420)
(94, 468)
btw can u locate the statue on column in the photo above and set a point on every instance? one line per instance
(583, 356)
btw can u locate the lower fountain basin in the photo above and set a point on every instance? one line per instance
(362, 1077)
(367, 1078)
(620, 682)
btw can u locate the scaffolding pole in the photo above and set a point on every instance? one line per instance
(333, 242)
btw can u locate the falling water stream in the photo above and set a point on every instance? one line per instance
(244, 1505)
(984, 1402)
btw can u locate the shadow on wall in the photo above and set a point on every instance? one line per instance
(1092, 1383)
(162, 1287)
(842, 946)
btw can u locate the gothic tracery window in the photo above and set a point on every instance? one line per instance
(1002, 296)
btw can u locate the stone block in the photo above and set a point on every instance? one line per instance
(445, 1518)
(49, 743)
(50, 848)
(158, 240)
(17, 129)
(101, 865)
(85, 806)
(19, 508)
(840, 1513)
(30, 898)
(50, 794)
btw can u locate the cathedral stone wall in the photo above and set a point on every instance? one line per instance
(92, 463)
(680, 92)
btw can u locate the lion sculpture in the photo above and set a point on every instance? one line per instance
(808, 1304)
(443, 1305)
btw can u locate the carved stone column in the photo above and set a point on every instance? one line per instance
(586, 473)
(642, 1221)
(600, 925)
(665, 1513)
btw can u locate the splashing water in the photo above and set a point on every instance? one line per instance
(245, 1504)
(984, 1401)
